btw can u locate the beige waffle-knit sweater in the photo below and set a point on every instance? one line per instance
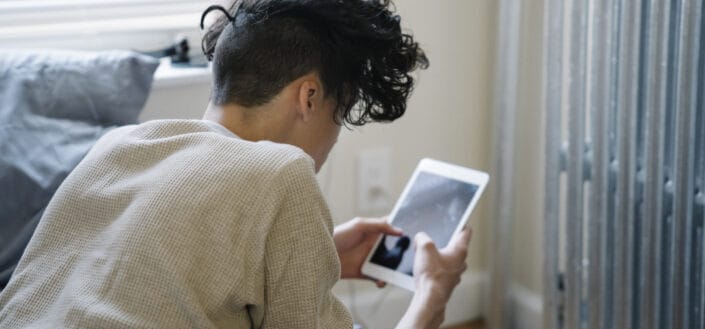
(180, 224)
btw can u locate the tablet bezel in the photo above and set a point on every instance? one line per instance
(437, 168)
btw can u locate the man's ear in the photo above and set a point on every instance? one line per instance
(309, 98)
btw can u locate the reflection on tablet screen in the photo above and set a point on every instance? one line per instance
(434, 204)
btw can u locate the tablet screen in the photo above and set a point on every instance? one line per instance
(434, 204)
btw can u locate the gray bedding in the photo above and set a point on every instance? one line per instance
(53, 106)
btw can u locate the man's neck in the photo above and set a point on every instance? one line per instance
(252, 124)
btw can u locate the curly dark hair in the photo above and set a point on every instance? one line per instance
(357, 48)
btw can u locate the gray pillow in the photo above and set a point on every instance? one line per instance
(54, 105)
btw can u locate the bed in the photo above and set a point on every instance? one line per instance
(54, 105)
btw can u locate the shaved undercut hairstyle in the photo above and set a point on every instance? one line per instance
(356, 47)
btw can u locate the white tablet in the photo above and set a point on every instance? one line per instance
(437, 200)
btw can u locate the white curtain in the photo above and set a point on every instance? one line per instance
(624, 92)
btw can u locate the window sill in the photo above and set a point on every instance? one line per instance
(168, 76)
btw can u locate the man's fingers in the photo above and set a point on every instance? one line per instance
(380, 225)
(461, 240)
(378, 283)
(458, 244)
(423, 241)
(465, 237)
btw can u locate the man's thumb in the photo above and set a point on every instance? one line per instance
(422, 240)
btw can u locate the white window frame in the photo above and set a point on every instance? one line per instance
(142, 25)
(95, 24)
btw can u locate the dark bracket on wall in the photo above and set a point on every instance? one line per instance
(179, 54)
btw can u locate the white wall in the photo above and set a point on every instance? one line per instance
(448, 118)
(527, 260)
(526, 280)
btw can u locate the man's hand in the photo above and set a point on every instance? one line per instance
(436, 273)
(354, 241)
(441, 269)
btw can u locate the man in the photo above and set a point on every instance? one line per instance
(220, 222)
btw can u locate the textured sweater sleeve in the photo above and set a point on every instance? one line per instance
(170, 224)
(301, 264)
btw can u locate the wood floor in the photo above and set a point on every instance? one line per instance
(478, 324)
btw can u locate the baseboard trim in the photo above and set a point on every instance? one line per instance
(527, 308)
(382, 308)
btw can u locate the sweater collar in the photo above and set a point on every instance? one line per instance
(220, 128)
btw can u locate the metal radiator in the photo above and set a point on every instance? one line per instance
(624, 92)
